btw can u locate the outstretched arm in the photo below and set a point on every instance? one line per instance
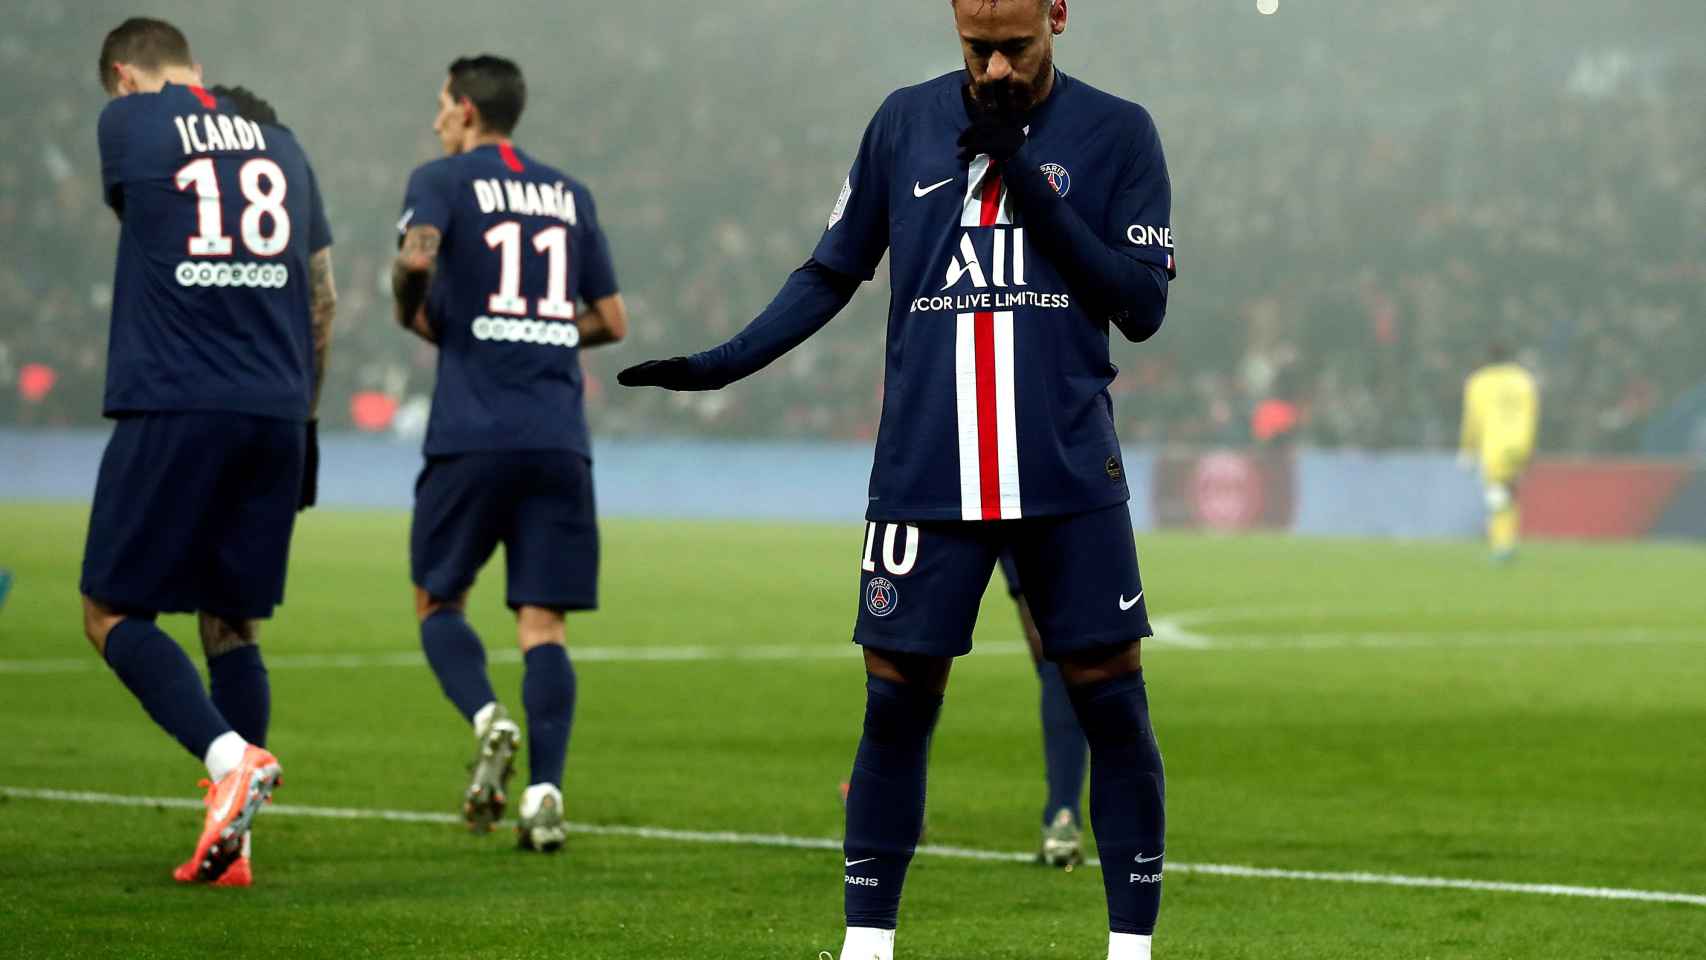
(813, 295)
(411, 280)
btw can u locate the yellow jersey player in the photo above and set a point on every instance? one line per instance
(1501, 415)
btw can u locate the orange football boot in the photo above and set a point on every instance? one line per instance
(241, 873)
(231, 806)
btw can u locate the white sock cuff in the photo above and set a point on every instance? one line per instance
(1128, 946)
(223, 754)
(868, 943)
(483, 717)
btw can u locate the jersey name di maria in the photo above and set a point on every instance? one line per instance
(217, 219)
(995, 399)
(521, 244)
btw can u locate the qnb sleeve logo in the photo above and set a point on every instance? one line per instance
(1143, 236)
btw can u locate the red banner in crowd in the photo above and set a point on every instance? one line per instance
(1224, 490)
(1597, 500)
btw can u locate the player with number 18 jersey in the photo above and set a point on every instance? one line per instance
(222, 306)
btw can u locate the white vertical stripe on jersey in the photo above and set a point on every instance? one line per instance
(1006, 416)
(965, 400)
(971, 211)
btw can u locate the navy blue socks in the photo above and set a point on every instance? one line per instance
(885, 800)
(241, 693)
(454, 651)
(548, 694)
(1064, 751)
(161, 676)
(1126, 792)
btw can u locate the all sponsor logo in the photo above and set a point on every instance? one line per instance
(881, 597)
(1058, 178)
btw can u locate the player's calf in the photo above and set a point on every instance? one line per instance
(1127, 792)
(237, 676)
(885, 800)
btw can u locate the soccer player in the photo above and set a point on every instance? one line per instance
(1024, 213)
(496, 249)
(222, 308)
(1501, 415)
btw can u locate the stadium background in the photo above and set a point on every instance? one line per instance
(1365, 192)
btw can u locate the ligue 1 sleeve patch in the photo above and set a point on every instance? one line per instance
(1058, 178)
(840, 203)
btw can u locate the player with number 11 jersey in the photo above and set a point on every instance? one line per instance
(496, 250)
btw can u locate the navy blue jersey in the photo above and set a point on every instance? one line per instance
(521, 245)
(218, 217)
(995, 400)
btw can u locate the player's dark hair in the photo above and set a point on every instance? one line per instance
(249, 104)
(142, 42)
(496, 88)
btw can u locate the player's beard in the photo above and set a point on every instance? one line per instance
(1012, 96)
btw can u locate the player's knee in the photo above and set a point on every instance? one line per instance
(1101, 664)
(221, 635)
(426, 604)
(98, 622)
(1498, 497)
(909, 669)
(538, 626)
(899, 713)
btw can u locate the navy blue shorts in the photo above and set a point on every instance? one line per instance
(193, 511)
(1010, 570)
(537, 503)
(921, 584)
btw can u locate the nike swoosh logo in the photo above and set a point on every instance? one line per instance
(1127, 605)
(855, 863)
(919, 190)
(1143, 859)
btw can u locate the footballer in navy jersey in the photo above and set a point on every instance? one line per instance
(503, 266)
(222, 309)
(1026, 215)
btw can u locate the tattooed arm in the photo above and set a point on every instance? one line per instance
(411, 279)
(323, 306)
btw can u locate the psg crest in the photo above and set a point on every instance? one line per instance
(881, 597)
(1058, 178)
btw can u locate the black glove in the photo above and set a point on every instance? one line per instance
(676, 373)
(1000, 135)
(311, 467)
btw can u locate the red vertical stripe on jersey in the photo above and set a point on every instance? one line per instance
(983, 330)
(510, 159)
(207, 99)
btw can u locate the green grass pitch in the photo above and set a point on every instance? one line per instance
(1323, 706)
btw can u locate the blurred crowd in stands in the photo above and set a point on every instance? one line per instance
(1364, 203)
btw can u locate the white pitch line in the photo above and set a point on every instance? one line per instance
(784, 841)
(1170, 633)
